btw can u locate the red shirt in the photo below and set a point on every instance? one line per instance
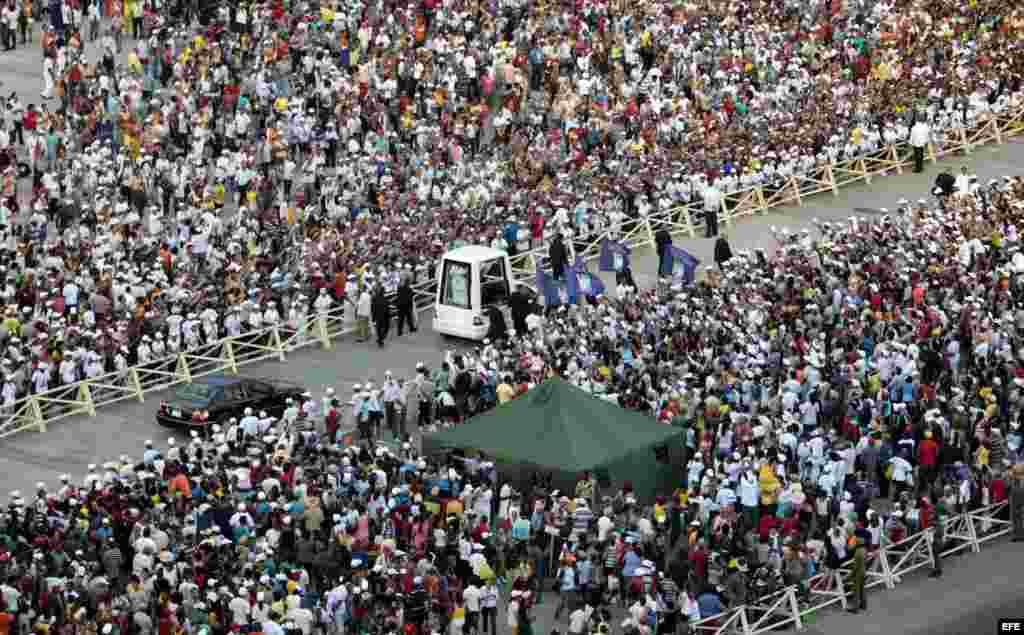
(924, 516)
(699, 560)
(767, 523)
(790, 526)
(998, 490)
(928, 452)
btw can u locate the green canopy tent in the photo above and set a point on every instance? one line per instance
(559, 429)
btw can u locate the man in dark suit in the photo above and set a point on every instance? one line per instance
(559, 257)
(380, 312)
(404, 306)
(663, 240)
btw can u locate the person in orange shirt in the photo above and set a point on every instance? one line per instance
(180, 490)
(6, 619)
(421, 29)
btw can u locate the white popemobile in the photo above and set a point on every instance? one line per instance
(471, 281)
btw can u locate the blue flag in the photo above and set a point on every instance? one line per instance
(684, 264)
(56, 15)
(614, 256)
(581, 282)
(555, 292)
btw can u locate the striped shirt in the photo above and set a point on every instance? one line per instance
(113, 559)
(582, 518)
(489, 597)
(669, 591)
(611, 557)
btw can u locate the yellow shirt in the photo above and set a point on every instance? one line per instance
(133, 62)
(769, 485)
(506, 393)
(660, 513)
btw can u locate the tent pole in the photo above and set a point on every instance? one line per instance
(551, 551)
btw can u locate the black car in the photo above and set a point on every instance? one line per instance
(218, 398)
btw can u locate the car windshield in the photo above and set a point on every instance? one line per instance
(197, 393)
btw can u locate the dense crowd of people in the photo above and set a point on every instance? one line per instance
(851, 389)
(874, 393)
(292, 150)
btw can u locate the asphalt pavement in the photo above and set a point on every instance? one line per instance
(975, 591)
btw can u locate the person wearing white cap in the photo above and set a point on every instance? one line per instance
(325, 401)
(91, 478)
(65, 491)
(310, 406)
(920, 137)
(150, 454)
(393, 400)
(363, 307)
(249, 424)
(241, 517)
(173, 451)
(241, 609)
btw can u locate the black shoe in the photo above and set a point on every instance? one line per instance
(1017, 539)
(853, 610)
(935, 574)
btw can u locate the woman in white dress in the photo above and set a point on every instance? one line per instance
(49, 73)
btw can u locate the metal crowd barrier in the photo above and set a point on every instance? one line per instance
(995, 128)
(37, 411)
(887, 567)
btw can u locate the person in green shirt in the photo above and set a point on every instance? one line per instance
(11, 324)
(857, 577)
(200, 615)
